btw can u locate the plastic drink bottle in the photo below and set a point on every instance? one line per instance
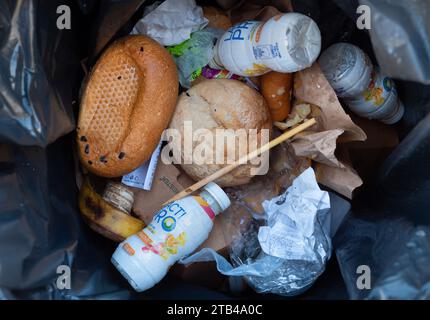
(285, 43)
(347, 69)
(366, 91)
(378, 101)
(175, 231)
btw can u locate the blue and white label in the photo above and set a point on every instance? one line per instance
(169, 215)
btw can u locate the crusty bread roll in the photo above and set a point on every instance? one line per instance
(217, 18)
(220, 104)
(276, 88)
(128, 101)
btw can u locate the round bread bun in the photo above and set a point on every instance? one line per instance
(128, 101)
(217, 18)
(220, 104)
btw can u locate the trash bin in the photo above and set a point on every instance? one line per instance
(43, 239)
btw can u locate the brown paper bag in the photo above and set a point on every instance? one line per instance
(334, 128)
(318, 146)
(311, 86)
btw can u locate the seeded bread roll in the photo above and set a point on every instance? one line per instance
(220, 104)
(128, 101)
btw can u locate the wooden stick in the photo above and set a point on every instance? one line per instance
(218, 174)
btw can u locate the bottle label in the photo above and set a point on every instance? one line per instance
(165, 235)
(376, 94)
(378, 101)
(240, 31)
(266, 51)
(205, 206)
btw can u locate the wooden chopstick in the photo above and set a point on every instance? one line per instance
(244, 159)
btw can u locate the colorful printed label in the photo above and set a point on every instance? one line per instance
(210, 73)
(127, 248)
(168, 216)
(240, 31)
(377, 90)
(205, 206)
(167, 221)
(167, 248)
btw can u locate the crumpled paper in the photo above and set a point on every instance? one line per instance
(343, 180)
(291, 220)
(312, 87)
(288, 254)
(334, 127)
(171, 22)
(318, 146)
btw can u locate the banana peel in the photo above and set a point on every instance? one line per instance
(104, 218)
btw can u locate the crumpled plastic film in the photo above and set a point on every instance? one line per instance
(286, 255)
(193, 54)
(171, 22)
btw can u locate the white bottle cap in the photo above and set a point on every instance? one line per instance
(300, 40)
(219, 195)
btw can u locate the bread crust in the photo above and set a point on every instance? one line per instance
(217, 18)
(128, 101)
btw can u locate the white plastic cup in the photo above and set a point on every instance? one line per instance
(347, 69)
(175, 231)
(285, 43)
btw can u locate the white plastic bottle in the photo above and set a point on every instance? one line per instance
(285, 43)
(379, 101)
(366, 91)
(347, 68)
(175, 231)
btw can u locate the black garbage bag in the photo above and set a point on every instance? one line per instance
(36, 69)
(40, 225)
(41, 229)
(395, 254)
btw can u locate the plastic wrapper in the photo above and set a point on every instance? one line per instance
(193, 54)
(399, 32)
(288, 253)
(171, 22)
(36, 67)
(396, 253)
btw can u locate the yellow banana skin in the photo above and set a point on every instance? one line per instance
(105, 219)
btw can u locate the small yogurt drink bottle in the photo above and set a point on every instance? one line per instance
(379, 100)
(285, 43)
(366, 91)
(175, 231)
(347, 69)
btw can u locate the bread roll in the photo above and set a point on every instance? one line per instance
(220, 104)
(217, 18)
(276, 89)
(128, 101)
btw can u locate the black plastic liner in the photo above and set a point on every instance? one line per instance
(40, 224)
